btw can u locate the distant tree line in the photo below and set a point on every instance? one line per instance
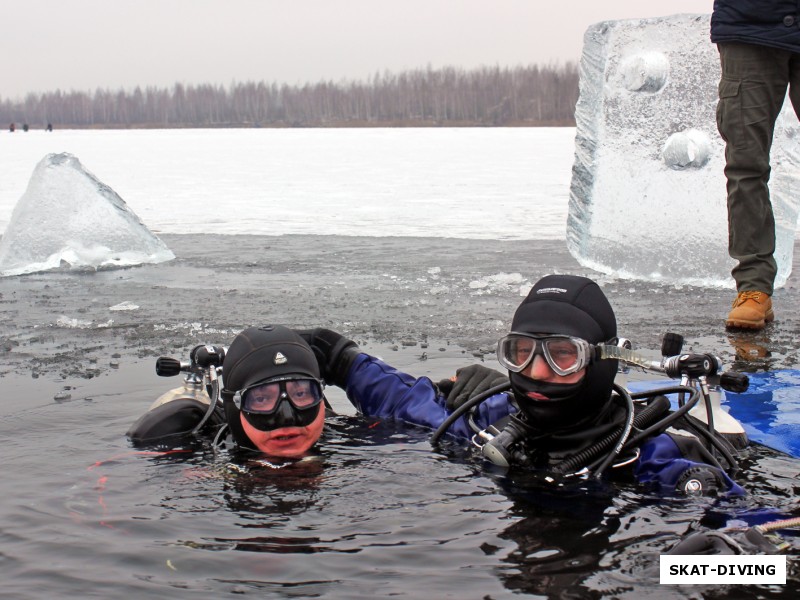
(487, 96)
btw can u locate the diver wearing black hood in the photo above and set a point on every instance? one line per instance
(561, 407)
(559, 414)
(564, 306)
(272, 398)
(271, 383)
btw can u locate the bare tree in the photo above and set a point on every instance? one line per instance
(521, 96)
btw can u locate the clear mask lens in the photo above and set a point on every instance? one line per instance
(264, 398)
(565, 355)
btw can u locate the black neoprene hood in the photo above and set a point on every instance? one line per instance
(256, 355)
(566, 305)
(261, 353)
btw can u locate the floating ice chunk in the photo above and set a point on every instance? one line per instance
(648, 192)
(500, 282)
(73, 323)
(68, 219)
(127, 305)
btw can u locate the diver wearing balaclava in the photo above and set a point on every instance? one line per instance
(273, 391)
(566, 306)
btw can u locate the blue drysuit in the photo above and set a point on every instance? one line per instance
(379, 390)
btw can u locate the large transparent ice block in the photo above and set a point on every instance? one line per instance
(647, 199)
(68, 219)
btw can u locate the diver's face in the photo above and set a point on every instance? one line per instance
(286, 442)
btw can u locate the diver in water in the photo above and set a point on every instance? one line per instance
(560, 408)
(272, 399)
(561, 414)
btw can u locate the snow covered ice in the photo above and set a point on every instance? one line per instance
(68, 219)
(647, 198)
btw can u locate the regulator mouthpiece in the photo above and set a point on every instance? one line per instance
(499, 450)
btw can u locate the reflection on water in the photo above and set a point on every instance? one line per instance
(751, 350)
(772, 348)
(748, 347)
(375, 513)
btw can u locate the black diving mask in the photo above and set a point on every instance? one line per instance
(290, 402)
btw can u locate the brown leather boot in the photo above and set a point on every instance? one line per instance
(751, 310)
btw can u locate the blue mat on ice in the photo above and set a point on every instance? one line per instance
(769, 410)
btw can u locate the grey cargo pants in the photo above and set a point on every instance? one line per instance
(751, 93)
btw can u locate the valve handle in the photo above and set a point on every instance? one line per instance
(167, 366)
(734, 382)
(671, 344)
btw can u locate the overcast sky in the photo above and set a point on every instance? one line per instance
(89, 44)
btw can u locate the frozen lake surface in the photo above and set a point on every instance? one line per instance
(499, 183)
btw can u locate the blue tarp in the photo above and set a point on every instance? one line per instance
(769, 410)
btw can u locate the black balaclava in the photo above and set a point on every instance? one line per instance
(574, 306)
(259, 354)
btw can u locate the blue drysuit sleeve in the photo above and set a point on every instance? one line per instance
(662, 463)
(379, 390)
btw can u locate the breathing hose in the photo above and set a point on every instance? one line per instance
(626, 431)
(782, 524)
(670, 418)
(474, 401)
(214, 394)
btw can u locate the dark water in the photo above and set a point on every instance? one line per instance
(379, 512)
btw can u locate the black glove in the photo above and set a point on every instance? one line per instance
(469, 382)
(335, 353)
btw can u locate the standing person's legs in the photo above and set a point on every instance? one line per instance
(752, 90)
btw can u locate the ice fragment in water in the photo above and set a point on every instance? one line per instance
(67, 218)
(127, 305)
(647, 199)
